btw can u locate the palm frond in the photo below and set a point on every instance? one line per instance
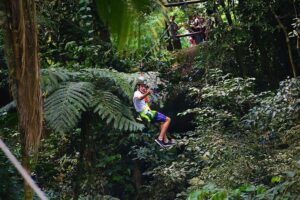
(119, 79)
(109, 107)
(64, 106)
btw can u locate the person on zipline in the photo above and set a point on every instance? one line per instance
(141, 105)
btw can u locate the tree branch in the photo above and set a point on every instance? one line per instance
(287, 40)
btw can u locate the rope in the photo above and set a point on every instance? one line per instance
(22, 171)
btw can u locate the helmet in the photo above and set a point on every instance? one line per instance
(140, 81)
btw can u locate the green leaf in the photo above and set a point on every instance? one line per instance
(109, 106)
(64, 106)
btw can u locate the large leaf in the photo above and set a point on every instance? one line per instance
(109, 107)
(51, 78)
(118, 78)
(63, 107)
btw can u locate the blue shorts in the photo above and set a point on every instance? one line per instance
(159, 117)
(153, 116)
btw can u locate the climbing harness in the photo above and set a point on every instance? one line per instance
(148, 114)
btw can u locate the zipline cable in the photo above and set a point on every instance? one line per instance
(154, 45)
(22, 171)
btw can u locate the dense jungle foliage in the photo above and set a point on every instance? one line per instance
(234, 101)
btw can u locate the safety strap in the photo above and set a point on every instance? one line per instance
(148, 114)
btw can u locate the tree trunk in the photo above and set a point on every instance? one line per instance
(137, 177)
(242, 70)
(227, 12)
(28, 193)
(78, 176)
(265, 61)
(21, 49)
(232, 5)
(287, 40)
(84, 163)
(297, 36)
(298, 46)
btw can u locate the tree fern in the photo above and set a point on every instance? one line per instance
(65, 101)
(50, 78)
(109, 107)
(64, 106)
(119, 79)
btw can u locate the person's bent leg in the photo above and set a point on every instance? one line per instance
(163, 129)
(165, 122)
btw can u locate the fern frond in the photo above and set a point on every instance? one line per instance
(109, 107)
(51, 77)
(64, 106)
(118, 78)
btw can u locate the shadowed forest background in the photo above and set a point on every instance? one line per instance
(67, 76)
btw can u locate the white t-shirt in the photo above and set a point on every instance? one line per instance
(139, 105)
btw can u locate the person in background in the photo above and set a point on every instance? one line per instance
(173, 32)
(197, 24)
(189, 29)
(202, 28)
